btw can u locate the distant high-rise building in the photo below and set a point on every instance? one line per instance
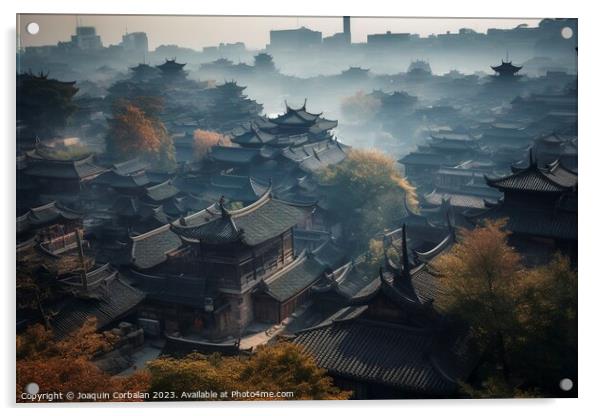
(85, 38)
(294, 38)
(136, 43)
(388, 39)
(347, 28)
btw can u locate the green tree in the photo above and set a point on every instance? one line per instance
(367, 194)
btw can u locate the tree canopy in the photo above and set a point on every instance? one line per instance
(66, 365)
(204, 140)
(512, 311)
(136, 131)
(367, 194)
(282, 367)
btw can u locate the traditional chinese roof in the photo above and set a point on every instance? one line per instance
(557, 224)
(506, 68)
(46, 214)
(420, 158)
(170, 65)
(234, 155)
(130, 166)
(377, 352)
(161, 192)
(266, 218)
(185, 290)
(151, 248)
(122, 181)
(106, 303)
(414, 286)
(296, 117)
(350, 282)
(317, 156)
(457, 199)
(554, 178)
(81, 169)
(304, 271)
(237, 188)
(253, 136)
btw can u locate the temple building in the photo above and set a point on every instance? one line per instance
(59, 179)
(285, 151)
(211, 274)
(506, 70)
(172, 70)
(540, 205)
(51, 227)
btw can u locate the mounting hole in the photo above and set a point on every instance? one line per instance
(566, 384)
(566, 32)
(33, 28)
(32, 388)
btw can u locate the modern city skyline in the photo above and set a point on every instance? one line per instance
(197, 32)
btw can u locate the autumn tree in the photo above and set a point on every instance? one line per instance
(204, 140)
(136, 131)
(524, 320)
(367, 194)
(281, 367)
(66, 365)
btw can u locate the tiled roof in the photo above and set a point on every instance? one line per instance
(417, 158)
(62, 169)
(535, 179)
(237, 188)
(316, 156)
(151, 248)
(228, 154)
(253, 135)
(130, 167)
(559, 224)
(116, 180)
(377, 352)
(456, 199)
(351, 282)
(264, 219)
(112, 301)
(45, 214)
(294, 278)
(189, 291)
(161, 192)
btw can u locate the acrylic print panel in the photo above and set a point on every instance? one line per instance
(304, 208)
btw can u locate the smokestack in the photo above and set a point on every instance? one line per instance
(347, 28)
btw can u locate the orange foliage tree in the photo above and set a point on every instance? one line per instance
(66, 365)
(282, 367)
(205, 140)
(135, 130)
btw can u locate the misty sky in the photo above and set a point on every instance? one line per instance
(198, 31)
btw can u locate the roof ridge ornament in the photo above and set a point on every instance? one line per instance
(405, 261)
(224, 211)
(532, 159)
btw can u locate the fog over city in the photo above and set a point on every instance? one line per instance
(243, 202)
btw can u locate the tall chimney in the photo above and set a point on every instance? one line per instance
(347, 28)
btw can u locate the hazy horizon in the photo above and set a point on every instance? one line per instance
(197, 32)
